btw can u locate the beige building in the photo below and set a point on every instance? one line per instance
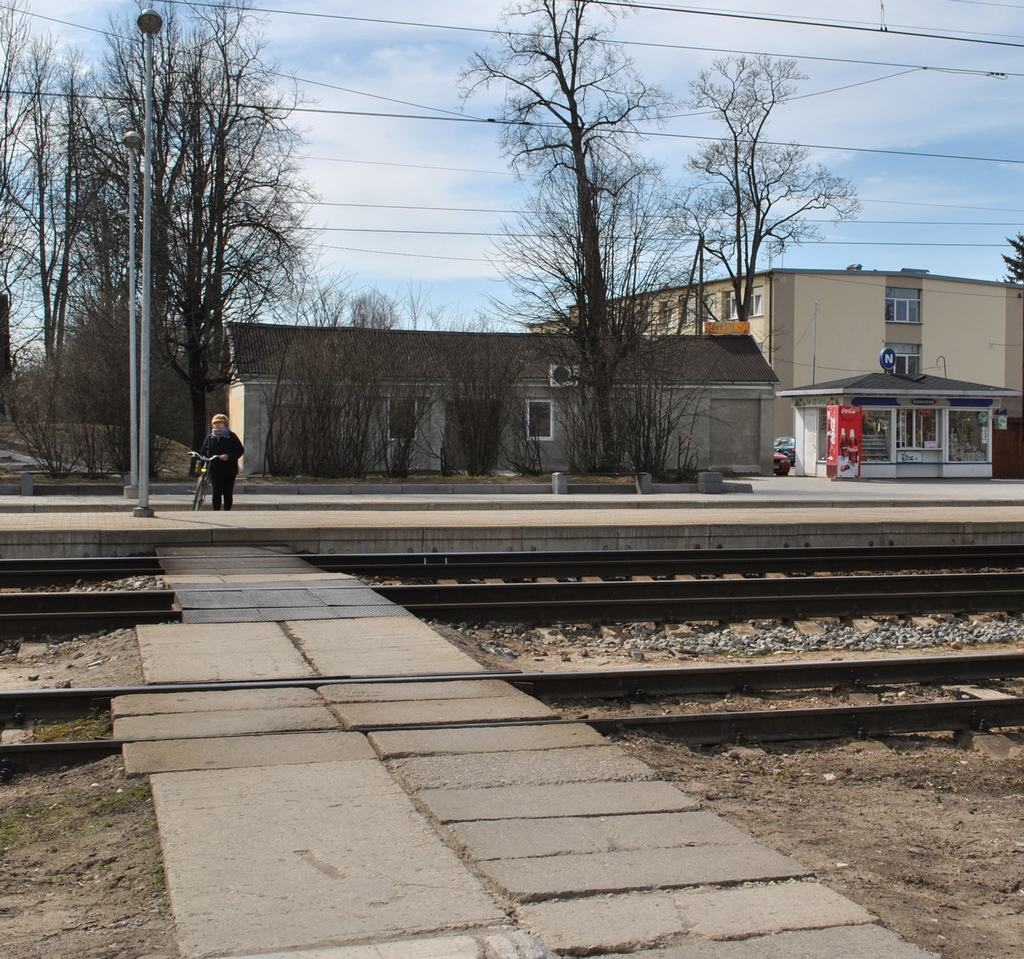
(815, 326)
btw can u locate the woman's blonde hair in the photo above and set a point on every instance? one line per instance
(217, 417)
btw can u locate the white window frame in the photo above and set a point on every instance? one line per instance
(908, 358)
(905, 300)
(551, 420)
(757, 302)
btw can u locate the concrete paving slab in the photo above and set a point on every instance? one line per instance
(545, 877)
(277, 614)
(646, 919)
(399, 692)
(176, 755)
(285, 857)
(153, 704)
(842, 942)
(182, 653)
(519, 838)
(198, 581)
(372, 646)
(450, 947)
(276, 596)
(400, 743)
(243, 722)
(605, 763)
(440, 711)
(563, 799)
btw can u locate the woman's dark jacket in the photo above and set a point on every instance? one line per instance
(214, 446)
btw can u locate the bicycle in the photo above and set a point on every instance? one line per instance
(202, 478)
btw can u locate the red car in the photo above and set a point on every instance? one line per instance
(781, 464)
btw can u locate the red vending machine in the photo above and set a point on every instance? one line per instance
(843, 434)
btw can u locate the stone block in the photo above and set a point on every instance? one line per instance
(644, 919)
(439, 712)
(993, 745)
(242, 722)
(402, 692)
(279, 858)
(604, 763)
(150, 704)
(546, 877)
(840, 942)
(517, 838)
(563, 799)
(400, 743)
(178, 755)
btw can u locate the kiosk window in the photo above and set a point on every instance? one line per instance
(968, 436)
(874, 445)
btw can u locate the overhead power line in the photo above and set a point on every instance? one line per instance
(898, 31)
(492, 31)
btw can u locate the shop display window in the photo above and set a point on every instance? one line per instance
(968, 436)
(875, 441)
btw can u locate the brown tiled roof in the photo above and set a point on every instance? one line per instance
(258, 349)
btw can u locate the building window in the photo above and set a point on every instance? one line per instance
(874, 447)
(902, 305)
(401, 418)
(917, 429)
(665, 316)
(756, 304)
(540, 420)
(908, 358)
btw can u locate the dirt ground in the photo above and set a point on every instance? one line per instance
(924, 833)
(81, 875)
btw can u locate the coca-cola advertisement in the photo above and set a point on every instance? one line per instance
(844, 430)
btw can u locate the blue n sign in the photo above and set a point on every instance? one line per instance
(887, 359)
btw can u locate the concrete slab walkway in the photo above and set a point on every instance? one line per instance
(284, 835)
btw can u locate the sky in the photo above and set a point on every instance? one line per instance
(923, 116)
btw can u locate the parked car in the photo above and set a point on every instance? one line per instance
(787, 445)
(781, 465)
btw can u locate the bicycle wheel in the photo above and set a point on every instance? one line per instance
(202, 481)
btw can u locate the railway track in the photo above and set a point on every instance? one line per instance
(23, 706)
(677, 600)
(28, 614)
(22, 573)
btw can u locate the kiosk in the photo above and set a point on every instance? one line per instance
(888, 425)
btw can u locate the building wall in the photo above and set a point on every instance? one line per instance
(731, 429)
(829, 326)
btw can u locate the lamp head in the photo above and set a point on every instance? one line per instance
(150, 21)
(132, 140)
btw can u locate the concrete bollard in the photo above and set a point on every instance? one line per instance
(643, 483)
(710, 481)
(559, 483)
(27, 484)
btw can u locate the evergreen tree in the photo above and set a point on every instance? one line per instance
(1015, 263)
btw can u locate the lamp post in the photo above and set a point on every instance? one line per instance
(149, 22)
(132, 142)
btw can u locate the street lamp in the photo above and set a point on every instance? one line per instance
(132, 142)
(149, 23)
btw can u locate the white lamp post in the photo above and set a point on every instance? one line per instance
(132, 142)
(149, 22)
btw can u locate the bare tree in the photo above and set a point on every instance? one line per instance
(61, 189)
(754, 195)
(374, 310)
(227, 194)
(14, 44)
(572, 102)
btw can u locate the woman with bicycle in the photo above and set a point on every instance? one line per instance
(224, 449)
